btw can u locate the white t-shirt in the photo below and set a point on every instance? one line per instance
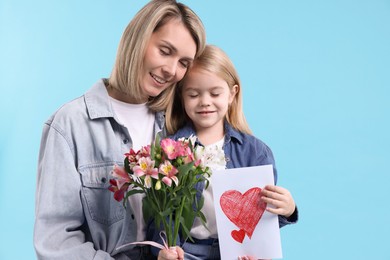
(198, 230)
(139, 121)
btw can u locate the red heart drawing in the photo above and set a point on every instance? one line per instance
(238, 235)
(244, 210)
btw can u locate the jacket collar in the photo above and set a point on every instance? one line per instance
(97, 101)
(230, 132)
(99, 106)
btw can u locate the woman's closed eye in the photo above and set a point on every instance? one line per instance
(185, 63)
(165, 51)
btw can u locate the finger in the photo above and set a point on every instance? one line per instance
(274, 195)
(276, 189)
(276, 211)
(274, 202)
(180, 252)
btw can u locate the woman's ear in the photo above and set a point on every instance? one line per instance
(234, 90)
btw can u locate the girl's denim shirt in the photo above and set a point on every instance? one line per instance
(241, 150)
(76, 215)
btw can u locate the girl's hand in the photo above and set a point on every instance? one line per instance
(173, 253)
(246, 257)
(280, 198)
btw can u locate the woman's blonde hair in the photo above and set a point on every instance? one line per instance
(125, 76)
(214, 60)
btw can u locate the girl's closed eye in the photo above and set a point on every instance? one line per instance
(192, 94)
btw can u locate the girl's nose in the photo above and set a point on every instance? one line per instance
(204, 102)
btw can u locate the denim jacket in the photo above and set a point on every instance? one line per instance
(242, 150)
(76, 215)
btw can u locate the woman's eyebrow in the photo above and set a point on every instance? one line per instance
(174, 49)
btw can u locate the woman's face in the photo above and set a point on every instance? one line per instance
(169, 53)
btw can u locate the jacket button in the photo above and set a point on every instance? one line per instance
(125, 141)
(132, 216)
(104, 179)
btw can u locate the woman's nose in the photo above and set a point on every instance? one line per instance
(169, 69)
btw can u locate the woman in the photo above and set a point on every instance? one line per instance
(76, 215)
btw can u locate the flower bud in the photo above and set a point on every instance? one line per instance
(158, 185)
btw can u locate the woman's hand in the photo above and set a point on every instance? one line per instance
(173, 253)
(280, 198)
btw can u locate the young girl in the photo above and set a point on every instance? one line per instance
(208, 104)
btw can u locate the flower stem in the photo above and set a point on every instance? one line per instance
(177, 218)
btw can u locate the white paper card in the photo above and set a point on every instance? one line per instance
(242, 229)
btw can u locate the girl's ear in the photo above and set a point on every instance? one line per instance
(233, 93)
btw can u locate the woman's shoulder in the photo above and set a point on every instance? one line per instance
(68, 111)
(81, 107)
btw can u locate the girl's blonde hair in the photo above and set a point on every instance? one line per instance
(214, 60)
(125, 76)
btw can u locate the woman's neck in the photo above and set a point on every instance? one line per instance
(118, 95)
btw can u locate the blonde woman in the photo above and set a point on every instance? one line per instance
(76, 215)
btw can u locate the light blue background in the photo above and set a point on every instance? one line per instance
(316, 81)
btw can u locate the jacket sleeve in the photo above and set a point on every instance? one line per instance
(266, 157)
(283, 221)
(58, 207)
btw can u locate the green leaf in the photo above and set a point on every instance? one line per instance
(133, 191)
(166, 212)
(127, 165)
(185, 229)
(185, 168)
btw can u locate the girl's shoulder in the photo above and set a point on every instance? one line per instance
(249, 140)
(185, 132)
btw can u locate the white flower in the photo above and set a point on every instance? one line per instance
(211, 156)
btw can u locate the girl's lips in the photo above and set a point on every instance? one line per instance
(205, 112)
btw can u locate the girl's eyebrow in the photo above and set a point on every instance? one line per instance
(196, 89)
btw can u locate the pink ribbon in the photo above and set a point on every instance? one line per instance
(151, 243)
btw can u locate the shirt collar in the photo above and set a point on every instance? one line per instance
(230, 132)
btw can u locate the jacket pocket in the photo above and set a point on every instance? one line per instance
(100, 202)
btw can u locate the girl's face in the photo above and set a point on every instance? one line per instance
(206, 98)
(170, 51)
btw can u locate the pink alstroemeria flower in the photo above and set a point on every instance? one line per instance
(188, 156)
(119, 193)
(169, 171)
(132, 156)
(146, 167)
(171, 148)
(145, 151)
(121, 176)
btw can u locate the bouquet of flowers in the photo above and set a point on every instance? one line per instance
(167, 172)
